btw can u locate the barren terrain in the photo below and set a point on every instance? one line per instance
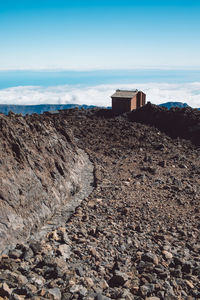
(136, 235)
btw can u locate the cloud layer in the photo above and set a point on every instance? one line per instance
(100, 95)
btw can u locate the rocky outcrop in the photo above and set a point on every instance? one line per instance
(177, 122)
(40, 171)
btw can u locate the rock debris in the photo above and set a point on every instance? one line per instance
(136, 236)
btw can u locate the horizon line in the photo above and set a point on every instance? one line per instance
(42, 104)
(184, 68)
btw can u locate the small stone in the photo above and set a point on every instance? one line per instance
(72, 282)
(189, 283)
(152, 298)
(99, 296)
(178, 261)
(152, 170)
(196, 271)
(89, 281)
(54, 294)
(103, 284)
(85, 218)
(39, 281)
(118, 279)
(163, 275)
(79, 271)
(163, 163)
(182, 166)
(144, 289)
(137, 184)
(147, 158)
(54, 236)
(138, 228)
(167, 254)
(42, 292)
(159, 269)
(176, 273)
(22, 279)
(5, 291)
(127, 183)
(28, 254)
(36, 247)
(150, 257)
(17, 297)
(78, 211)
(32, 288)
(16, 253)
(23, 291)
(94, 252)
(187, 268)
(3, 256)
(127, 295)
(75, 288)
(83, 291)
(64, 236)
(161, 294)
(64, 250)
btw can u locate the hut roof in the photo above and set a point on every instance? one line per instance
(124, 94)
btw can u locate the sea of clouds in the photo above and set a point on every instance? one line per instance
(99, 95)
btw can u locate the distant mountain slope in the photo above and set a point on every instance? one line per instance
(39, 109)
(174, 104)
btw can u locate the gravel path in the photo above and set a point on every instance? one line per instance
(62, 215)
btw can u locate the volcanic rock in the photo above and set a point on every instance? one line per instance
(135, 232)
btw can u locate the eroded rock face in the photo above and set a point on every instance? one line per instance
(40, 168)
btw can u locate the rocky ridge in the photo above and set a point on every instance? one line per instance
(176, 122)
(136, 236)
(40, 171)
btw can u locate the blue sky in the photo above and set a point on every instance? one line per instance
(99, 34)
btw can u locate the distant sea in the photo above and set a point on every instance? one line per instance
(91, 78)
(96, 87)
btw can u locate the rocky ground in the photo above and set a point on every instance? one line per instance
(136, 236)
